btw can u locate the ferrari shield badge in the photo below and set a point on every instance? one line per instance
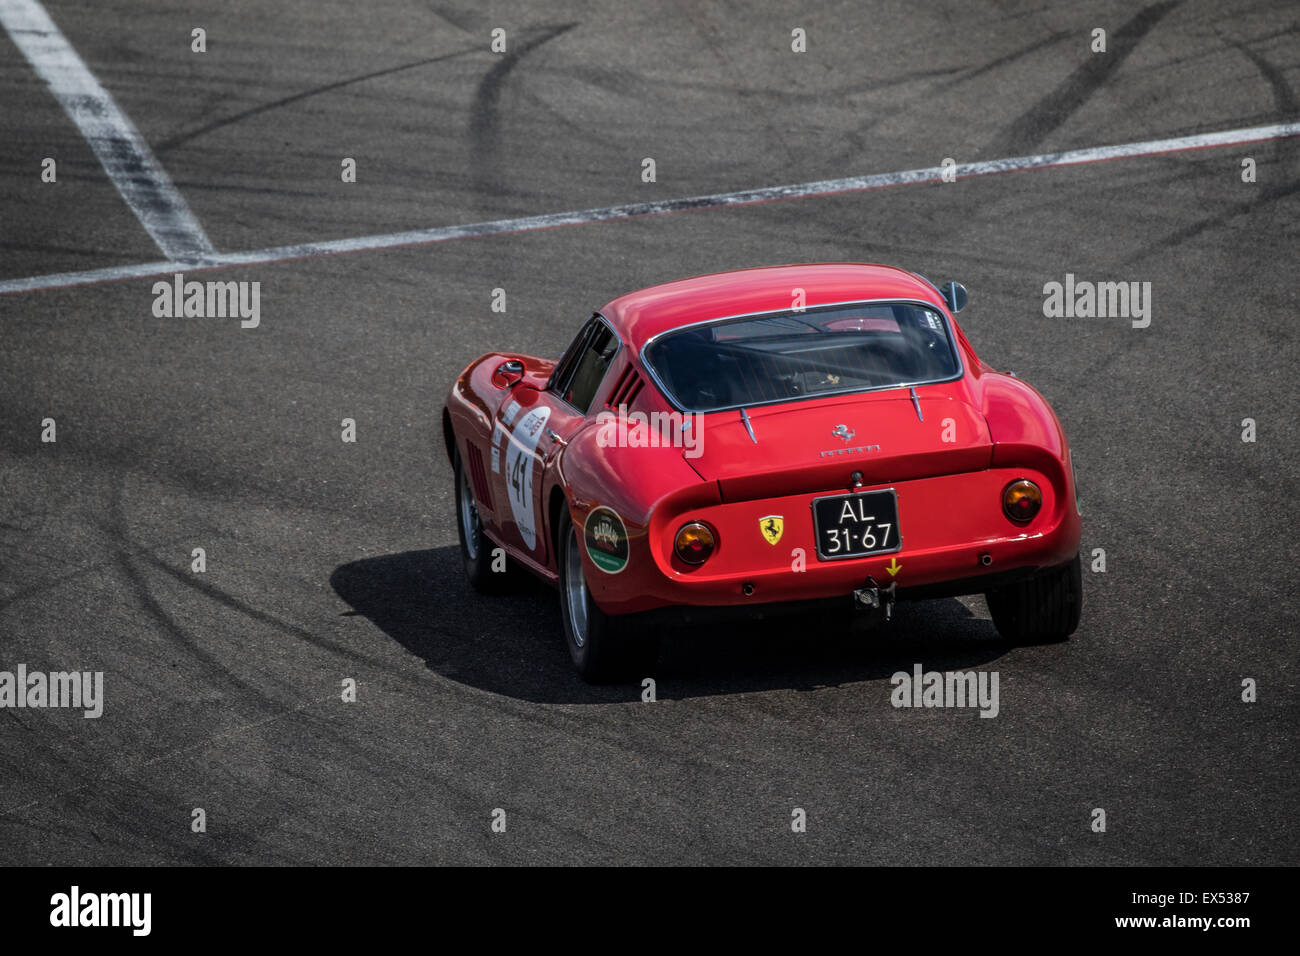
(772, 527)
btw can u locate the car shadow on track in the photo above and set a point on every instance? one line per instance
(513, 644)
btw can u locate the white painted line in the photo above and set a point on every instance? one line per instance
(826, 187)
(121, 149)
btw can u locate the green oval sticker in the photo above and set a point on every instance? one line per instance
(606, 538)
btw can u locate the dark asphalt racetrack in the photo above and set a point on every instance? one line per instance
(328, 560)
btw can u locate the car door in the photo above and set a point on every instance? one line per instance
(534, 424)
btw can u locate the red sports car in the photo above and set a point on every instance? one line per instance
(748, 441)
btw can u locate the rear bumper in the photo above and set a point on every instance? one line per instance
(955, 540)
(842, 603)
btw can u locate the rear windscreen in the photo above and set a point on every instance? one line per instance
(792, 355)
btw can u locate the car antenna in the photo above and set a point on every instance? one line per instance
(744, 417)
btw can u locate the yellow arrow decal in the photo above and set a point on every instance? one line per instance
(893, 567)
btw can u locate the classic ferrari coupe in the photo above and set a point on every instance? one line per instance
(762, 441)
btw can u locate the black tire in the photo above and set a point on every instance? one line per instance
(603, 647)
(476, 547)
(1042, 609)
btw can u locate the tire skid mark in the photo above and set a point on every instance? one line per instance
(1283, 96)
(1054, 109)
(213, 668)
(1262, 194)
(134, 765)
(227, 600)
(180, 139)
(484, 124)
(710, 35)
(52, 583)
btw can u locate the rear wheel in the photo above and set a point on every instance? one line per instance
(1041, 609)
(603, 647)
(478, 552)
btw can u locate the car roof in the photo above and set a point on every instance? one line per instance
(641, 315)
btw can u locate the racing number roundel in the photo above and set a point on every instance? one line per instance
(519, 472)
(606, 538)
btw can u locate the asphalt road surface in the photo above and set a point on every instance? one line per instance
(328, 561)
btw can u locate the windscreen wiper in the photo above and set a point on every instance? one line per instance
(744, 417)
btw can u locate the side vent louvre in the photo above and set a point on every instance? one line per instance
(626, 389)
(478, 475)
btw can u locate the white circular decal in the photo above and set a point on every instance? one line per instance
(519, 472)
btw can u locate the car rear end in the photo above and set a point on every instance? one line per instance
(836, 476)
(932, 521)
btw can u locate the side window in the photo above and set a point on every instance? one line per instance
(591, 366)
(564, 367)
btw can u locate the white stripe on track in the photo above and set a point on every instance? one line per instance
(1235, 137)
(122, 151)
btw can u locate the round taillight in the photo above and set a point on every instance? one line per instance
(695, 543)
(1021, 500)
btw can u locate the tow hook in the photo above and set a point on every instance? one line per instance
(872, 599)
